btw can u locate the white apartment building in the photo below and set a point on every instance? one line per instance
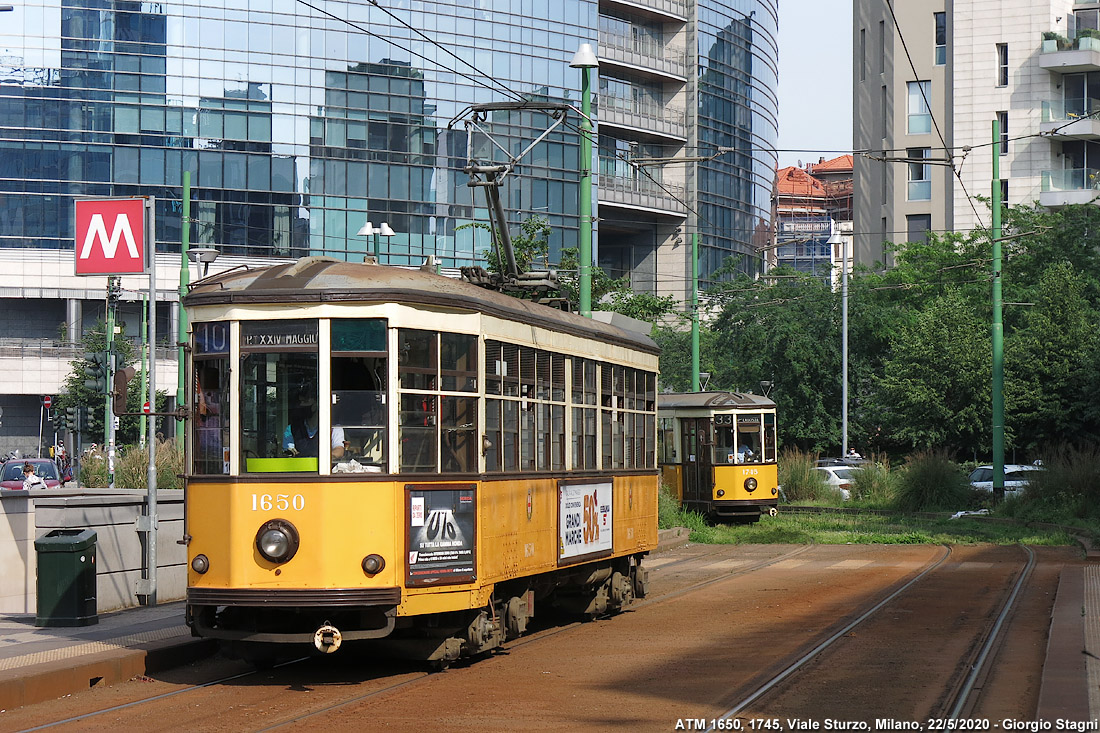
(930, 79)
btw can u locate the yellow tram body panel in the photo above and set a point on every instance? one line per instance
(672, 476)
(731, 481)
(341, 522)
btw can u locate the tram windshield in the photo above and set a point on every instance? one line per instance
(740, 439)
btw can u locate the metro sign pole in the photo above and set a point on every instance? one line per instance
(117, 237)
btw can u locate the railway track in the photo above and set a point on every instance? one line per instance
(685, 673)
(962, 675)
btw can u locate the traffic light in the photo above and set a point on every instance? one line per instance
(83, 419)
(60, 421)
(122, 385)
(70, 417)
(96, 372)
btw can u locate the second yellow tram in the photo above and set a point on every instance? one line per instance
(717, 452)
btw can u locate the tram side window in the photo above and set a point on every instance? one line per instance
(210, 398)
(666, 440)
(279, 400)
(359, 377)
(769, 436)
(437, 431)
(583, 398)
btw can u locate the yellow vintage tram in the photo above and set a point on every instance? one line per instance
(717, 452)
(389, 454)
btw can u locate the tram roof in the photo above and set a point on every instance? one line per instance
(327, 280)
(712, 400)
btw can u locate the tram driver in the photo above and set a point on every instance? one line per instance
(300, 436)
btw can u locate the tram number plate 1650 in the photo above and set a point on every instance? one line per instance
(280, 502)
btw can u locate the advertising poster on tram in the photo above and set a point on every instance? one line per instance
(441, 534)
(584, 520)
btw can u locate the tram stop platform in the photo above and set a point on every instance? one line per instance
(45, 663)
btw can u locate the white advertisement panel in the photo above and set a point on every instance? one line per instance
(584, 519)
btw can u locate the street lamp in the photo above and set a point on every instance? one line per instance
(382, 230)
(205, 255)
(836, 239)
(585, 60)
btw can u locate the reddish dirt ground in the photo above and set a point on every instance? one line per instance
(710, 632)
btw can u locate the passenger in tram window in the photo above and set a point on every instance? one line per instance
(300, 436)
(747, 447)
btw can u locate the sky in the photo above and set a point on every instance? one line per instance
(815, 80)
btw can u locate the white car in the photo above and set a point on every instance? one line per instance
(839, 478)
(1016, 478)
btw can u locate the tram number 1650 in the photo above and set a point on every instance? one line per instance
(281, 502)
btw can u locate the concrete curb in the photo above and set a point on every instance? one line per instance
(1063, 692)
(49, 681)
(670, 539)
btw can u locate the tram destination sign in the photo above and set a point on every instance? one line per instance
(111, 236)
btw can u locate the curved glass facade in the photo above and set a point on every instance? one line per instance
(298, 126)
(738, 56)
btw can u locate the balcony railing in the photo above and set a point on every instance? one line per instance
(1069, 110)
(1071, 179)
(642, 193)
(652, 117)
(644, 52)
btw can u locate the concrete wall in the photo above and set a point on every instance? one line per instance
(119, 546)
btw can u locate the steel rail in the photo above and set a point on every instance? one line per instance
(979, 666)
(809, 656)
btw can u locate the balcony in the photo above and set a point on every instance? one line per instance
(643, 56)
(643, 194)
(1068, 57)
(1071, 186)
(651, 120)
(1071, 119)
(664, 9)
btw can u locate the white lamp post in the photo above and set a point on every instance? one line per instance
(836, 239)
(382, 230)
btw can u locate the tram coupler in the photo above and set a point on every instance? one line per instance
(327, 639)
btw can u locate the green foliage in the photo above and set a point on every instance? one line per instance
(798, 478)
(935, 388)
(785, 331)
(132, 467)
(863, 529)
(1068, 485)
(874, 483)
(931, 481)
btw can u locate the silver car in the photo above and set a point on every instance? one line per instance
(1016, 478)
(839, 478)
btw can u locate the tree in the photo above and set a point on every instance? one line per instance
(78, 395)
(1048, 378)
(784, 329)
(935, 386)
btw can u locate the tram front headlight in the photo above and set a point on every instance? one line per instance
(750, 484)
(277, 540)
(200, 564)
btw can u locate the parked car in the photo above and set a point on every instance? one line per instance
(839, 477)
(11, 476)
(1016, 477)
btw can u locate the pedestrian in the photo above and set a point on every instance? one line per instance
(30, 479)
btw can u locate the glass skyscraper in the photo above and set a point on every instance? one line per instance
(301, 121)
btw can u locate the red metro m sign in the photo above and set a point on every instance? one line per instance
(110, 236)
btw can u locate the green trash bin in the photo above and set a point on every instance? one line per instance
(66, 578)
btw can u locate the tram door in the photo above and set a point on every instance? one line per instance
(695, 449)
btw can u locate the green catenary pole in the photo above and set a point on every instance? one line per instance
(998, 327)
(695, 312)
(185, 278)
(585, 256)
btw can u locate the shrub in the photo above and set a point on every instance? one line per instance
(132, 467)
(874, 482)
(931, 481)
(798, 478)
(1069, 483)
